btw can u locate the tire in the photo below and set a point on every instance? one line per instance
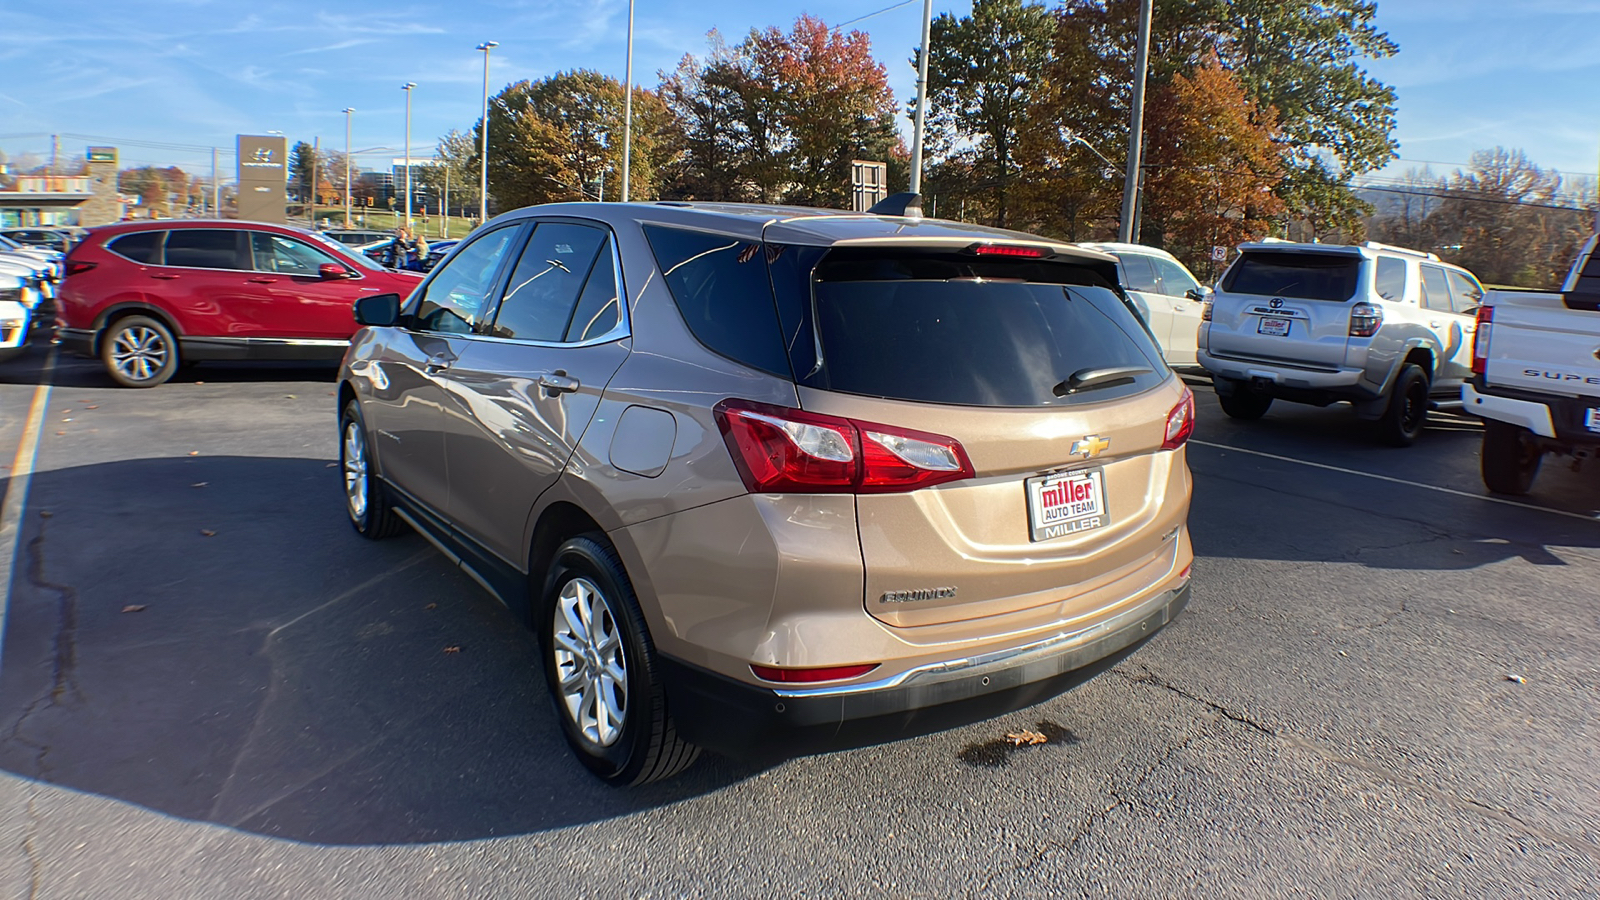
(588, 614)
(1509, 461)
(139, 352)
(1407, 413)
(366, 503)
(1244, 403)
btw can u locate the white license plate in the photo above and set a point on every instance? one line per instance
(1066, 503)
(1591, 418)
(1274, 327)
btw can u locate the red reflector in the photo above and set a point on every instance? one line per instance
(808, 676)
(75, 266)
(1186, 570)
(1180, 422)
(1010, 250)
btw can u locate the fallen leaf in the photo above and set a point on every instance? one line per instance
(67, 419)
(200, 484)
(1511, 676)
(60, 433)
(194, 452)
(1025, 736)
(452, 649)
(134, 607)
(91, 407)
(291, 396)
(45, 513)
(199, 382)
(431, 606)
(208, 532)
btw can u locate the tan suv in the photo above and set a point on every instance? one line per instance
(774, 480)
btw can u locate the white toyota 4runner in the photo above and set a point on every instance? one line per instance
(1387, 329)
(1536, 376)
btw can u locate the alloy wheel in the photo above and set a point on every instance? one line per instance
(138, 352)
(591, 666)
(355, 469)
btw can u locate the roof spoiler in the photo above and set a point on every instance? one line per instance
(907, 204)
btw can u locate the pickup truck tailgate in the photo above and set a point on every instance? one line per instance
(1536, 343)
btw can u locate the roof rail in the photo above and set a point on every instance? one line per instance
(1374, 245)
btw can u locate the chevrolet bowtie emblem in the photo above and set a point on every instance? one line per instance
(1091, 446)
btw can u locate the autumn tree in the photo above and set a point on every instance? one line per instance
(1212, 165)
(560, 138)
(721, 131)
(982, 70)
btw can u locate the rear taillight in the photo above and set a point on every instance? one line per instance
(1365, 319)
(811, 676)
(79, 266)
(1480, 341)
(1180, 422)
(1205, 311)
(780, 450)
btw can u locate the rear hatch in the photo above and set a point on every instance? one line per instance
(1056, 394)
(1290, 306)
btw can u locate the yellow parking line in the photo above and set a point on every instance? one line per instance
(1416, 484)
(17, 487)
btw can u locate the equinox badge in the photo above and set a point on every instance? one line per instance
(1091, 446)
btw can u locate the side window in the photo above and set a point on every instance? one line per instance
(456, 298)
(1435, 289)
(276, 253)
(141, 247)
(721, 286)
(1175, 280)
(1390, 279)
(206, 248)
(1141, 275)
(1467, 291)
(599, 306)
(544, 286)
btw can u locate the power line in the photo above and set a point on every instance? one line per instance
(875, 13)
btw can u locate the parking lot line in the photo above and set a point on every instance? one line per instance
(1416, 484)
(17, 487)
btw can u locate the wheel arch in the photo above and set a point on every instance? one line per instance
(111, 314)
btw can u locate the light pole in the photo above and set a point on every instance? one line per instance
(483, 153)
(627, 107)
(347, 111)
(919, 126)
(1126, 232)
(407, 88)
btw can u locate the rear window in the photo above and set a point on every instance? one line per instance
(941, 327)
(141, 247)
(721, 287)
(1302, 276)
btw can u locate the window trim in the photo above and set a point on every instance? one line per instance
(622, 329)
(160, 249)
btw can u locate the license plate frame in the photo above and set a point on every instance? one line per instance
(1066, 516)
(1274, 326)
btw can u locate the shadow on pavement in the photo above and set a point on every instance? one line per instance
(278, 674)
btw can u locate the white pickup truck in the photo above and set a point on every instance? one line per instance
(1536, 376)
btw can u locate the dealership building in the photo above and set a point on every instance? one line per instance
(85, 200)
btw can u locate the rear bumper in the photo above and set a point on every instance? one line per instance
(1563, 421)
(1341, 383)
(748, 721)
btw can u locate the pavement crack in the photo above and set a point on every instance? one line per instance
(63, 690)
(1151, 678)
(35, 864)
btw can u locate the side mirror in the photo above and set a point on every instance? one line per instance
(377, 310)
(333, 270)
(1198, 294)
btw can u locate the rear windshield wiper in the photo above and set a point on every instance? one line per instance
(1109, 376)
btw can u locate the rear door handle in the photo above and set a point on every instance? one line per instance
(163, 276)
(262, 280)
(557, 382)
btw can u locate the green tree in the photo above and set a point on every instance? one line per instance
(982, 71)
(301, 162)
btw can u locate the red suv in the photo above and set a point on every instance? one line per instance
(143, 296)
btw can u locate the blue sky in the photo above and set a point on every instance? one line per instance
(193, 73)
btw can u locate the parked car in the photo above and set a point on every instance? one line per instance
(143, 296)
(437, 251)
(1536, 376)
(1385, 328)
(355, 237)
(40, 237)
(15, 315)
(1168, 297)
(769, 480)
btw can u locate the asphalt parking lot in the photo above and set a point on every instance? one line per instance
(1386, 685)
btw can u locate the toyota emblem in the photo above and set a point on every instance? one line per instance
(1277, 303)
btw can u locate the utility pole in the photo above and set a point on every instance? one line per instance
(347, 112)
(216, 187)
(407, 88)
(483, 153)
(444, 205)
(1130, 186)
(627, 107)
(55, 154)
(919, 126)
(316, 151)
